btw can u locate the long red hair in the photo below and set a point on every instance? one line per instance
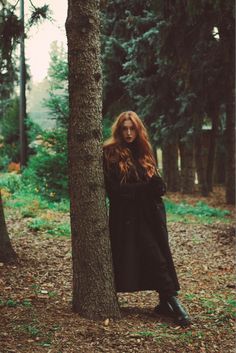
(116, 151)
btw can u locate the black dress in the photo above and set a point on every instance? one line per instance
(139, 239)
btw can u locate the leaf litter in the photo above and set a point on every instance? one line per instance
(35, 298)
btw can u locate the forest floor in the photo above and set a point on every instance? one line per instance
(35, 295)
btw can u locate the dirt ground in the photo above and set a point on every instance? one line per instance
(35, 298)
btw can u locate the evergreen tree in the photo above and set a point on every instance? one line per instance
(173, 67)
(58, 101)
(93, 287)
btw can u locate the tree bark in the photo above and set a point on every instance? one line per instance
(212, 148)
(94, 296)
(199, 150)
(7, 253)
(187, 167)
(219, 173)
(230, 154)
(170, 166)
(227, 40)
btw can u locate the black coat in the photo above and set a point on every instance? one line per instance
(139, 237)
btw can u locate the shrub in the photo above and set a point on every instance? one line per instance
(47, 169)
(11, 182)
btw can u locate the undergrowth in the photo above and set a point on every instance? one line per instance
(33, 205)
(200, 212)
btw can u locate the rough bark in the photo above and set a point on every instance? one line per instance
(94, 296)
(170, 166)
(7, 253)
(187, 167)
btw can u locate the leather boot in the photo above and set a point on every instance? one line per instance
(181, 316)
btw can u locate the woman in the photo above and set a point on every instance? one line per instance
(139, 239)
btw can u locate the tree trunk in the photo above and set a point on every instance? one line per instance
(94, 296)
(212, 148)
(199, 150)
(220, 165)
(170, 166)
(7, 253)
(230, 153)
(227, 40)
(187, 167)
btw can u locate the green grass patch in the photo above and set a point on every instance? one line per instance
(61, 230)
(200, 212)
(12, 303)
(30, 202)
(222, 308)
(32, 330)
(165, 332)
(50, 227)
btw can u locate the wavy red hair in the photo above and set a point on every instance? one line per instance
(116, 150)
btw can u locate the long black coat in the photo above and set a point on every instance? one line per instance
(139, 237)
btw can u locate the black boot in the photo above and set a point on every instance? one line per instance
(181, 316)
(163, 308)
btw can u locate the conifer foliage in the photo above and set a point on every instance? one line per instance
(168, 60)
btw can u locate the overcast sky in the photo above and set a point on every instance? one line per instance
(40, 37)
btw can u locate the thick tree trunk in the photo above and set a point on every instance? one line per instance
(94, 296)
(170, 166)
(187, 167)
(212, 149)
(7, 253)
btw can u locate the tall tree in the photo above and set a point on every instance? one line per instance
(58, 101)
(226, 27)
(94, 296)
(7, 253)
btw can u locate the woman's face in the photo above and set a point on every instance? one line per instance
(128, 131)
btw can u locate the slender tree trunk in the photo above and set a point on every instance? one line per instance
(22, 115)
(200, 165)
(7, 253)
(212, 148)
(227, 40)
(94, 296)
(230, 154)
(170, 166)
(219, 174)
(187, 167)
